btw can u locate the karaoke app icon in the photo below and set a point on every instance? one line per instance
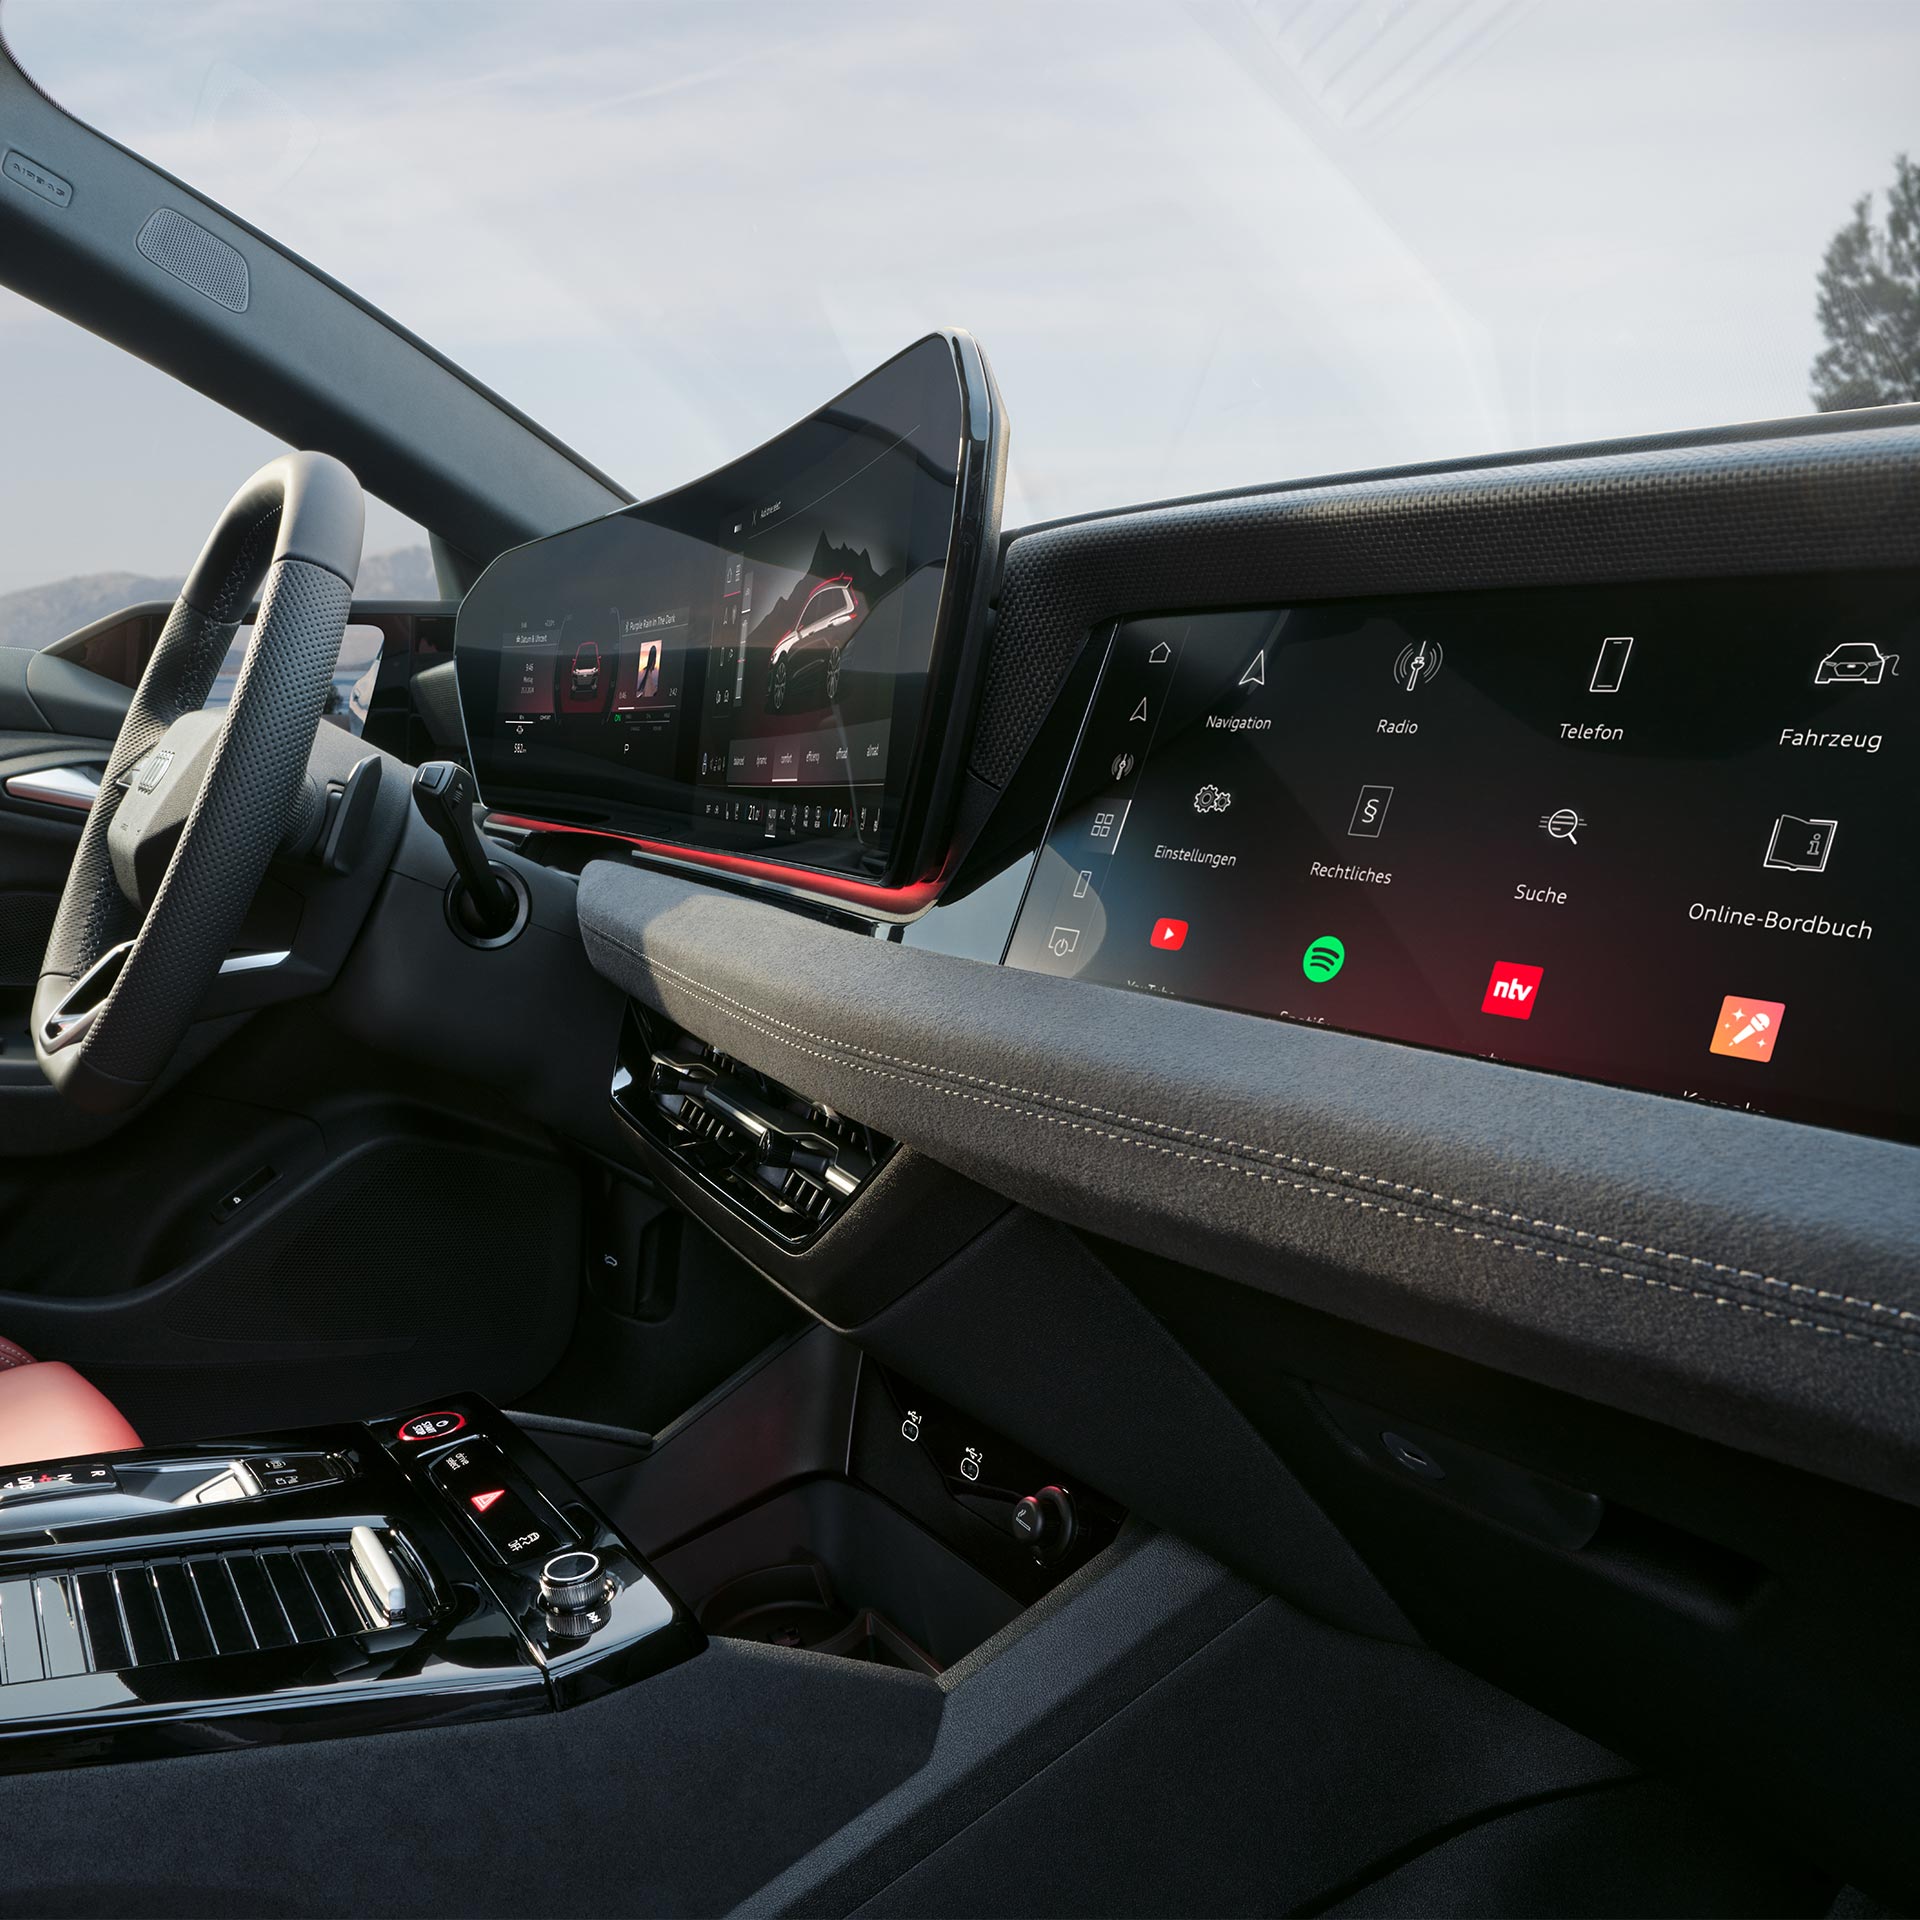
(1748, 1029)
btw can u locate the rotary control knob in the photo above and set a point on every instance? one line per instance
(1045, 1521)
(572, 1586)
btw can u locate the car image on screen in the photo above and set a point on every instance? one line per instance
(804, 669)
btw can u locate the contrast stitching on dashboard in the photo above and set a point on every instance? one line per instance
(1365, 1205)
(725, 1003)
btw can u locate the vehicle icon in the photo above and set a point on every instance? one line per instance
(1855, 663)
(584, 675)
(805, 668)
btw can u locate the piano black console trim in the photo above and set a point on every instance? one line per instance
(429, 1568)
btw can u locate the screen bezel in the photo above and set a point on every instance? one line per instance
(924, 769)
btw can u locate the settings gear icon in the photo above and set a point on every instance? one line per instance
(1212, 799)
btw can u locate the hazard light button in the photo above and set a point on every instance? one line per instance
(513, 1520)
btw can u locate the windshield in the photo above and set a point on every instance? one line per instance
(1204, 246)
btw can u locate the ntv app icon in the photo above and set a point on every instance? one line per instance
(1512, 989)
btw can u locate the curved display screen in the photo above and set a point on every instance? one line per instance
(752, 663)
(1661, 836)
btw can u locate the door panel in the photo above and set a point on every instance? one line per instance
(372, 1260)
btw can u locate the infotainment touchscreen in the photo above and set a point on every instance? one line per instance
(1663, 836)
(756, 662)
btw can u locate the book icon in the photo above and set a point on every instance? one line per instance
(1801, 846)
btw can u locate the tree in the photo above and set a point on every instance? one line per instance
(1870, 303)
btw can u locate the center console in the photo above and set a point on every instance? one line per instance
(428, 1568)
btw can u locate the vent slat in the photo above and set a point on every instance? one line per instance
(140, 1608)
(62, 1641)
(19, 1633)
(186, 1624)
(265, 1615)
(225, 1616)
(303, 1611)
(324, 1575)
(100, 1615)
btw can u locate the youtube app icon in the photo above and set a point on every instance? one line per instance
(1169, 935)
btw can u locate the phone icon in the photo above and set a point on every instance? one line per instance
(1611, 667)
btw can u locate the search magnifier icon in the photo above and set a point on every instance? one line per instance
(1563, 824)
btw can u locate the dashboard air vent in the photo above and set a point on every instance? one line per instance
(787, 1162)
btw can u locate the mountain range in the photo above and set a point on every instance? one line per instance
(35, 617)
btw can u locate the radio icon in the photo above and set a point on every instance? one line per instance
(1416, 665)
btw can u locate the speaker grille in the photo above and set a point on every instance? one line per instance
(176, 245)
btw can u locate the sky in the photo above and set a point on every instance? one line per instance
(1203, 245)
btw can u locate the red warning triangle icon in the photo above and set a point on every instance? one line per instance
(482, 1501)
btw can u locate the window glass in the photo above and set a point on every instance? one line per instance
(1204, 244)
(113, 475)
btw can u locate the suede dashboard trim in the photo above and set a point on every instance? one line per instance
(1740, 1277)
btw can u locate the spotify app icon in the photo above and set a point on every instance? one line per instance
(1323, 959)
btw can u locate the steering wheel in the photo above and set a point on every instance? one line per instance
(193, 804)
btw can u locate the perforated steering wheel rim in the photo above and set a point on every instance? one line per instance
(294, 532)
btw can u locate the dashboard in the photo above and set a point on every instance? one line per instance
(1421, 957)
(1572, 799)
(1655, 835)
(1472, 901)
(754, 663)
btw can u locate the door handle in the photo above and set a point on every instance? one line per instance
(75, 788)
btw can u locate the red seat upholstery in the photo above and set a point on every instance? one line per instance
(47, 1412)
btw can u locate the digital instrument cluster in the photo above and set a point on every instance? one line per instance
(1661, 836)
(754, 663)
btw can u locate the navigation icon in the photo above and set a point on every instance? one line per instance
(1256, 673)
(1139, 713)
